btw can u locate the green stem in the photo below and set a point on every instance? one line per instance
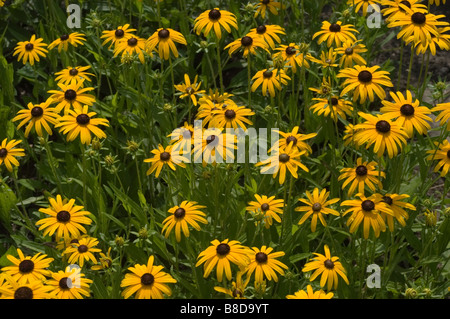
(219, 64)
(83, 154)
(249, 76)
(399, 77)
(411, 59)
(51, 163)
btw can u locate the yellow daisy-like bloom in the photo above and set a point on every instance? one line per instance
(265, 6)
(221, 254)
(267, 207)
(215, 146)
(72, 94)
(82, 251)
(131, 46)
(81, 122)
(311, 294)
(8, 153)
(105, 261)
(364, 4)
(209, 103)
(324, 89)
(182, 138)
(238, 287)
(291, 56)
(284, 159)
(269, 79)
(248, 44)
(317, 206)
(327, 59)
(444, 114)
(397, 9)
(264, 264)
(163, 39)
(443, 155)
(335, 32)
(349, 138)
(190, 89)
(27, 269)
(367, 210)
(69, 284)
(64, 242)
(408, 112)
(295, 139)
(30, 50)
(329, 267)
(66, 218)
(350, 52)
(395, 203)
(381, 132)
(213, 20)
(269, 33)
(332, 107)
(73, 73)
(63, 42)
(232, 116)
(364, 81)
(147, 281)
(37, 116)
(164, 156)
(35, 289)
(187, 213)
(441, 41)
(114, 36)
(365, 173)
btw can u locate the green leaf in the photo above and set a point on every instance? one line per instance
(7, 202)
(5, 261)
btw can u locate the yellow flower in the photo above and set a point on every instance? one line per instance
(215, 146)
(350, 52)
(164, 156)
(248, 44)
(190, 89)
(30, 50)
(163, 39)
(213, 20)
(444, 116)
(364, 4)
(335, 32)
(131, 46)
(72, 94)
(38, 116)
(105, 261)
(398, 8)
(31, 290)
(269, 79)
(295, 139)
(232, 116)
(395, 203)
(264, 263)
(327, 59)
(332, 107)
(8, 153)
(82, 251)
(266, 207)
(69, 284)
(269, 33)
(291, 56)
(63, 42)
(267, 5)
(310, 294)
(237, 290)
(443, 155)
(73, 73)
(113, 36)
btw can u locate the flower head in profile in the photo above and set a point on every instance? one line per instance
(147, 281)
(76, 73)
(247, 44)
(72, 95)
(105, 261)
(269, 32)
(8, 153)
(190, 89)
(264, 264)
(29, 51)
(163, 40)
(114, 36)
(269, 80)
(162, 157)
(442, 154)
(310, 294)
(268, 208)
(295, 139)
(439, 41)
(37, 116)
(335, 33)
(398, 207)
(327, 59)
(70, 283)
(130, 47)
(328, 267)
(214, 20)
(396, 9)
(73, 39)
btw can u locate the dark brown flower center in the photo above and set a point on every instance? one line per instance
(64, 37)
(264, 207)
(37, 111)
(383, 126)
(132, 42)
(246, 41)
(334, 101)
(83, 248)
(267, 74)
(261, 29)
(365, 76)
(407, 109)
(316, 207)
(290, 50)
(214, 14)
(23, 293)
(190, 90)
(230, 114)
(29, 46)
(119, 33)
(334, 27)
(387, 200)
(237, 293)
(26, 266)
(368, 205)
(179, 213)
(210, 139)
(83, 119)
(361, 170)
(328, 264)
(349, 51)
(292, 139)
(265, 1)
(73, 72)
(418, 18)
(64, 283)
(164, 156)
(147, 279)
(3, 152)
(405, 3)
(63, 216)
(261, 258)
(448, 154)
(70, 95)
(74, 241)
(283, 158)
(163, 34)
(223, 249)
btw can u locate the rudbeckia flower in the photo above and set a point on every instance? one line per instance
(8, 153)
(269, 33)
(83, 250)
(295, 139)
(264, 264)
(332, 107)
(131, 46)
(248, 44)
(396, 9)
(29, 51)
(70, 283)
(291, 56)
(351, 53)
(164, 156)
(37, 116)
(269, 80)
(232, 116)
(31, 290)
(238, 287)
(163, 39)
(395, 203)
(214, 146)
(310, 294)
(442, 154)
(444, 114)
(74, 39)
(364, 4)
(266, 209)
(113, 36)
(215, 19)
(267, 5)
(76, 73)
(72, 95)
(190, 89)
(335, 32)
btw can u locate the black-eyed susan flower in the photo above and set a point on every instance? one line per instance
(147, 281)
(332, 107)
(295, 139)
(264, 264)
(269, 80)
(74, 39)
(329, 267)
(397, 205)
(63, 242)
(105, 261)
(215, 146)
(164, 156)
(408, 113)
(81, 122)
(291, 56)
(268, 208)
(270, 34)
(237, 290)
(324, 89)
(35, 289)
(8, 153)
(72, 95)
(215, 19)
(26, 269)
(440, 41)
(395, 9)
(29, 51)
(131, 46)
(350, 52)
(82, 251)
(248, 44)
(367, 210)
(267, 6)
(327, 59)
(182, 138)
(317, 205)
(349, 138)
(190, 89)
(364, 5)
(220, 255)
(381, 132)
(37, 116)
(113, 36)
(363, 174)
(188, 213)
(70, 73)
(444, 114)
(66, 219)
(364, 82)
(70, 283)
(335, 32)
(281, 161)
(209, 103)
(232, 116)
(310, 294)
(442, 154)
(163, 39)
